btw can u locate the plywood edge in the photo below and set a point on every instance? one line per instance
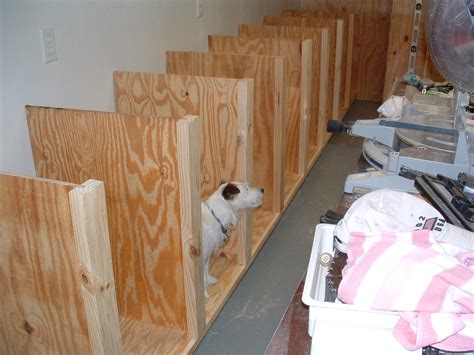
(305, 109)
(323, 92)
(279, 124)
(245, 104)
(188, 133)
(350, 53)
(91, 234)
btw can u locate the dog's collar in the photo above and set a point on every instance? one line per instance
(223, 229)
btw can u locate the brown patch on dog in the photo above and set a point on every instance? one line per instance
(230, 191)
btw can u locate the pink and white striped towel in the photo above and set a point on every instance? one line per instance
(430, 284)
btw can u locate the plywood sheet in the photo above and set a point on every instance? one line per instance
(336, 40)
(215, 100)
(321, 85)
(371, 31)
(269, 74)
(293, 50)
(136, 158)
(41, 308)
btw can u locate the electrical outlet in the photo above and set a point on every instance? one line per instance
(49, 45)
(199, 8)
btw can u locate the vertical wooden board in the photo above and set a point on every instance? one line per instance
(246, 122)
(268, 117)
(91, 234)
(190, 201)
(275, 47)
(224, 122)
(41, 308)
(136, 158)
(339, 32)
(321, 86)
(350, 94)
(371, 31)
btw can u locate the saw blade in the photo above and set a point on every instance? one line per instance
(334, 275)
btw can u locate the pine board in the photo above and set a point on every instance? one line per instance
(136, 158)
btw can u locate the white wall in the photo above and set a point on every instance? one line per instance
(94, 38)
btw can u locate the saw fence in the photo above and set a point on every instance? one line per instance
(254, 108)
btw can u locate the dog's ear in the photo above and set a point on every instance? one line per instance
(230, 191)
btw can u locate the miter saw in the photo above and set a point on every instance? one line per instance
(430, 143)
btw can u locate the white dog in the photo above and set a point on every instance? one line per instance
(219, 216)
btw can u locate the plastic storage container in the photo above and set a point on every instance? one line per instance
(338, 328)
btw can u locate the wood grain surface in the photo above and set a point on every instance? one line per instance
(136, 157)
(371, 31)
(92, 241)
(225, 109)
(400, 39)
(41, 308)
(145, 338)
(297, 109)
(321, 84)
(190, 202)
(336, 38)
(349, 21)
(269, 74)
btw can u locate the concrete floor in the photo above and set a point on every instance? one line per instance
(252, 314)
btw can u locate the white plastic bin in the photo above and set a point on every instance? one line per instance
(340, 329)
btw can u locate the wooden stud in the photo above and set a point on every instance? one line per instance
(349, 96)
(322, 133)
(188, 147)
(306, 87)
(338, 76)
(244, 167)
(91, 233)
(279, 139)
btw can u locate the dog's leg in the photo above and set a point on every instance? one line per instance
(208, 279)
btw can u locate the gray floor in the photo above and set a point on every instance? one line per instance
(250, 317)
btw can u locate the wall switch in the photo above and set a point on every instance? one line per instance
(49, 45)
(199, 9)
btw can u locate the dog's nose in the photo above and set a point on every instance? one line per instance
(262, 190)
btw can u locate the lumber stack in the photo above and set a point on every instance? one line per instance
(253, 108)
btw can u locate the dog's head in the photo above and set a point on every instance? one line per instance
(240, 195)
